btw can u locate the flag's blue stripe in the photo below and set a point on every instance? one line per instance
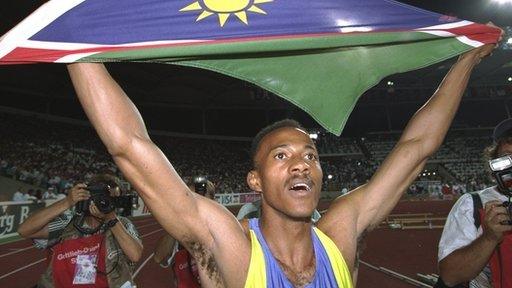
(126, 21)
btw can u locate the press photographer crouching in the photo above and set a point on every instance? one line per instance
(476, 245)
(88, 244)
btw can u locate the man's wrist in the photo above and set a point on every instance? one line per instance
(470, 58)
(69, 202)
(110, 216)
(111, 223)
(490, 238)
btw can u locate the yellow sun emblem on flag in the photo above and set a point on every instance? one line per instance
(224, 8)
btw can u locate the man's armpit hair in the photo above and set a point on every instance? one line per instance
(205, 259)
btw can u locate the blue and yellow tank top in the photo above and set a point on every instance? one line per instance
(264, 271)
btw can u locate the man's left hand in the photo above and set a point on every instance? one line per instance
(96, 213)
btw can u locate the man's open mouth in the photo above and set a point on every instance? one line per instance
(301, 185)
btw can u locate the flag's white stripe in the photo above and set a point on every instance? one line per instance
(469, 42)
(463, 39)
(76, 46)
(34, 23)
(74, 57)
(443, 33)
(447, 26)
(440, 33)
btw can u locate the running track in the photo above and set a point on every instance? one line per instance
(406, 252)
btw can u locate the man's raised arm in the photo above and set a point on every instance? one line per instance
(181, 212)
(369, 204)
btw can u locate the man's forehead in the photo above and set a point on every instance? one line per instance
(505, 149)
(284, 137)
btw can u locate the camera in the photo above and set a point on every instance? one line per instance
(501, 169)
(100, 195)
(200, 183)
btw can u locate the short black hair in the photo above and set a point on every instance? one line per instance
(285, 123)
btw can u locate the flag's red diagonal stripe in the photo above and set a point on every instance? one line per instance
(19, 55)
(477, 32)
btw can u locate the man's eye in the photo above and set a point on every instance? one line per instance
(280, 156)
(311, 157)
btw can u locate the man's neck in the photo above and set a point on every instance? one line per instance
(290, 242)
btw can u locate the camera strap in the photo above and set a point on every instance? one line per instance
(477, 205)
(78, 223)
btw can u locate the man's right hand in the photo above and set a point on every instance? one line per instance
(77, 193)
(495, 221)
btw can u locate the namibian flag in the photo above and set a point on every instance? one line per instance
(320, 55)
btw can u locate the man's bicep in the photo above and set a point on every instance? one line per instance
(53, 230)
(398, 170)
(378, 197)
(163, 191)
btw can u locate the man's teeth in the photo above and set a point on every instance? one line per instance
(300, 187)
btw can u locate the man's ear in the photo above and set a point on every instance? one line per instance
(253, 180)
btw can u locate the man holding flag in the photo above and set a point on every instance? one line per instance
(282, 248)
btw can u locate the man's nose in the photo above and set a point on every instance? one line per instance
(300, 165)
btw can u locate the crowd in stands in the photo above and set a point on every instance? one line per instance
(460, 157)
(329, 144)
(53, 156)
(49, 158)
(64, 154)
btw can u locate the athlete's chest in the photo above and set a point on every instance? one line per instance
(299, 277)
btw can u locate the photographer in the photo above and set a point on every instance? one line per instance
(87, 247)
(169, 252)
(476, 244)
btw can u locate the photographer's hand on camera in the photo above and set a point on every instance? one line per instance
(496, 221)
(36, 226)
(77, 193)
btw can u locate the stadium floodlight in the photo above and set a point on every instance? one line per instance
(329, 176)
(391, 83)
(509, 79)
(313, 136)
(509, 41)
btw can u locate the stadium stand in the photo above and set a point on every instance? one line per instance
(65, 153)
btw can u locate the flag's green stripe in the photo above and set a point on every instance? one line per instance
(202, 51)
(326, 83)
